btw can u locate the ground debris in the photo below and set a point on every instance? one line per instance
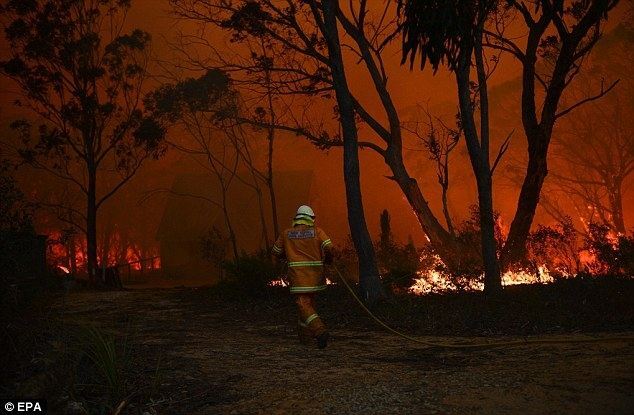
(216, 359)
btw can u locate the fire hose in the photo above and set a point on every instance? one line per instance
(475, 345)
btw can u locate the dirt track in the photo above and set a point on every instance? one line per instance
(215, 361)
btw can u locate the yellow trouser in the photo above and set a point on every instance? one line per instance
(309, 323)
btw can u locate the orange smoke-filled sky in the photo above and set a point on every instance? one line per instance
(410, 88)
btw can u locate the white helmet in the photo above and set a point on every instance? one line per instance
(304, 211)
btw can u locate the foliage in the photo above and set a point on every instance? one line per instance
(211, 93)
(16, 214)
(468, 233)
(83, 87)
(250, 274)
(437, 31)
(108, 358)
(555, 247)
(613, 254)
(213, 246)
(397, 263)
(82, 76)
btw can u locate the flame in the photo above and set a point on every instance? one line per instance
(434, 280)
(119, 253)
(524, 277)
(281, 283)
(587, 258)
(278, 283)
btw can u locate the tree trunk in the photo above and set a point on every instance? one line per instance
(72, 255)
(225, 211)
(615, 198)
(492, 277)
(276, 224)
(445, 199)
(265, 231)
(478, 150)
(515, 247)
(445, 245)
(269, 178)
(91, 226)
(369, 281)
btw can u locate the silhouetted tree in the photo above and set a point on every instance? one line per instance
(369, 283)
(597, 154)
(16, 213)
(451, 32)
(560, 35)
(386, 231)
(82, 77)
(593, 147)
(440, 140)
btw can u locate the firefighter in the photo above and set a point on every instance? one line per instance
(306, 248)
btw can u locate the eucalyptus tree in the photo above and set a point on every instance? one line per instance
(560, 35)
(81, 79)
(451, 32)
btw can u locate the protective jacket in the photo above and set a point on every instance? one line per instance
(305, 247)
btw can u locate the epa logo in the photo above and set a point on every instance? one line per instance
(29, 407)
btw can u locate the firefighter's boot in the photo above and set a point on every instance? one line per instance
(322, 340)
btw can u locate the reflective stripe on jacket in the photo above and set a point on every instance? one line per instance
(304, 247)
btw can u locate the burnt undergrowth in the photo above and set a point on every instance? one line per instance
(122, 351)
(581, 304)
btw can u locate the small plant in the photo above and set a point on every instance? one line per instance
(100, 360)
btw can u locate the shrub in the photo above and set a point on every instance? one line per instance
(555, 247)
(250, 274)
(346, 260)
(612, 254)
(470, 270)
(398, 263)
(213, 246)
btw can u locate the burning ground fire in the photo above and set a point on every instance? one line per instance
(433, 280)
(436, 281)
(65, 256)
(280, 282)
